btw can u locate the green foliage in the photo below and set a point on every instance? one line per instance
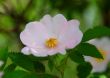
(3, 54)
(24, 74)
(3, 40)
(77, 57)
(50, 64)
(19, 74)
(39, 67)
(84, 70)
(47, 76)
(33, 10)
(6, 22)
(89, 50)
(22, 60)
(26, 63)
(34, 58)
(84, 49)
(96, 32)
(10, 68)
(19, 5)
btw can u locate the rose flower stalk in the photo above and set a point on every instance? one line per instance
(103, 45)
(50, 35)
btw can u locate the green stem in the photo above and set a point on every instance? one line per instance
(64, 62)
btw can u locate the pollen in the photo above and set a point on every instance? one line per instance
(51, 43)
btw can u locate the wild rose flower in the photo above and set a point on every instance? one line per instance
(50, 35)
(103, 45)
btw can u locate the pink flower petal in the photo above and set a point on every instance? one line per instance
(26, 51)
(47, 21)
(72, 35)
(56, 24)
(60, 24)
(57, 50)
(41, 52)
(99, 67)
(34, 35)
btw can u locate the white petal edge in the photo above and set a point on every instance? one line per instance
(38, 53)
(26, 51)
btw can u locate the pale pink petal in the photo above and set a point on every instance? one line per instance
(72, 35)
(74, 22)
(59, 49)
(97, 66)
(26, 51)
(62, 51)
(41, 52)
(47, 21)
(108, 54)
(34, 35)
(55, 25)
(59, 24)
(52, 52)
(102, 44)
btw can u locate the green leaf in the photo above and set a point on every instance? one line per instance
(24, 74)
(39, 67)
(47, 76)
(96, 32)
(84, 70)
(19, 74)
(2, 1)
(7, 22)
(89, 50)
(34, 58)
(4, 54)
(70, 70)
(50, 64)
(10, 68)
(22, 61)
(76, 57)
(36, 7)
(3, 40)
(59, 59)
(18, 5)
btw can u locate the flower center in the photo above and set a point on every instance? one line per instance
(51, 43)
(103, 54)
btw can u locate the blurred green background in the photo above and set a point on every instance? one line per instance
(14, 14)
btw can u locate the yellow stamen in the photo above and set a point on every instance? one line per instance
(51, 43)
(103, 54)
